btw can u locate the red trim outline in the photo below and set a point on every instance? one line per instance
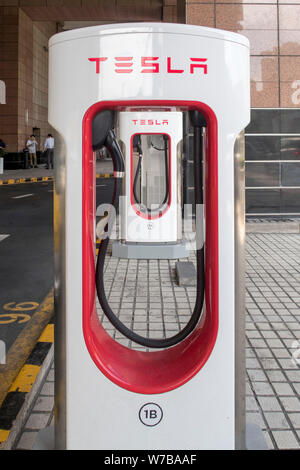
(156, 371)
(133, 204)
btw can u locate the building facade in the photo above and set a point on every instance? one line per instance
(272, 27)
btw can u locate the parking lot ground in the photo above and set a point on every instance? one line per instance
(26, 274)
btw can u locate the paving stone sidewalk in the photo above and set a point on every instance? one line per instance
(139, 289)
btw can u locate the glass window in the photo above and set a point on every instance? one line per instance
(262, 147)
(262, 174)
(263, 201)
(290, 148)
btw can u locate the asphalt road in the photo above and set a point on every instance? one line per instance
(26, 254)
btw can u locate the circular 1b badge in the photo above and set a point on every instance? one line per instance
(150, 414)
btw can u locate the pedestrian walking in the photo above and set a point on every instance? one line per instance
(49, 149)
(2, 153)
(31, 145)
(2, 148)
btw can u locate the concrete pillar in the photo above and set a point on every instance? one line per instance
(24, 71)
(25, 79)
(9, 25)
(174, 11)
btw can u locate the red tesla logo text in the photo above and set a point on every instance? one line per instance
(150, 122)
(152, 65)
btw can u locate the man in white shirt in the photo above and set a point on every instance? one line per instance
(31, 145)
(49, 149)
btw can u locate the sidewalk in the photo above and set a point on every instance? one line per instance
(272, 331)
(102, 167)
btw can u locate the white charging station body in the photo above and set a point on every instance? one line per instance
(190, 396)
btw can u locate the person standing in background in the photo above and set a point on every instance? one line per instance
(31, 145)
(49, 149)
(2, 153)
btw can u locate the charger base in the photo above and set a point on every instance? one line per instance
(150, 250)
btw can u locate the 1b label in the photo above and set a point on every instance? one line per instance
(150, 414)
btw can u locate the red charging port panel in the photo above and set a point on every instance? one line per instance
(164, 370)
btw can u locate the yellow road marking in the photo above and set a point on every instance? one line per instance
(104, 175)
(21, 306)
(13, 317)
(48, 334)
(4, 435)
(27, 180)
(24, 344)
(25, 379)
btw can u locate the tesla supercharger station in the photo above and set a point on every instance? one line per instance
(151, 223)
(128, 88)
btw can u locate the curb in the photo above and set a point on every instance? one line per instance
(273, 227)
(24, 344)
(104, 175)
(26, 180)
(42, 179)
(19, 400)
